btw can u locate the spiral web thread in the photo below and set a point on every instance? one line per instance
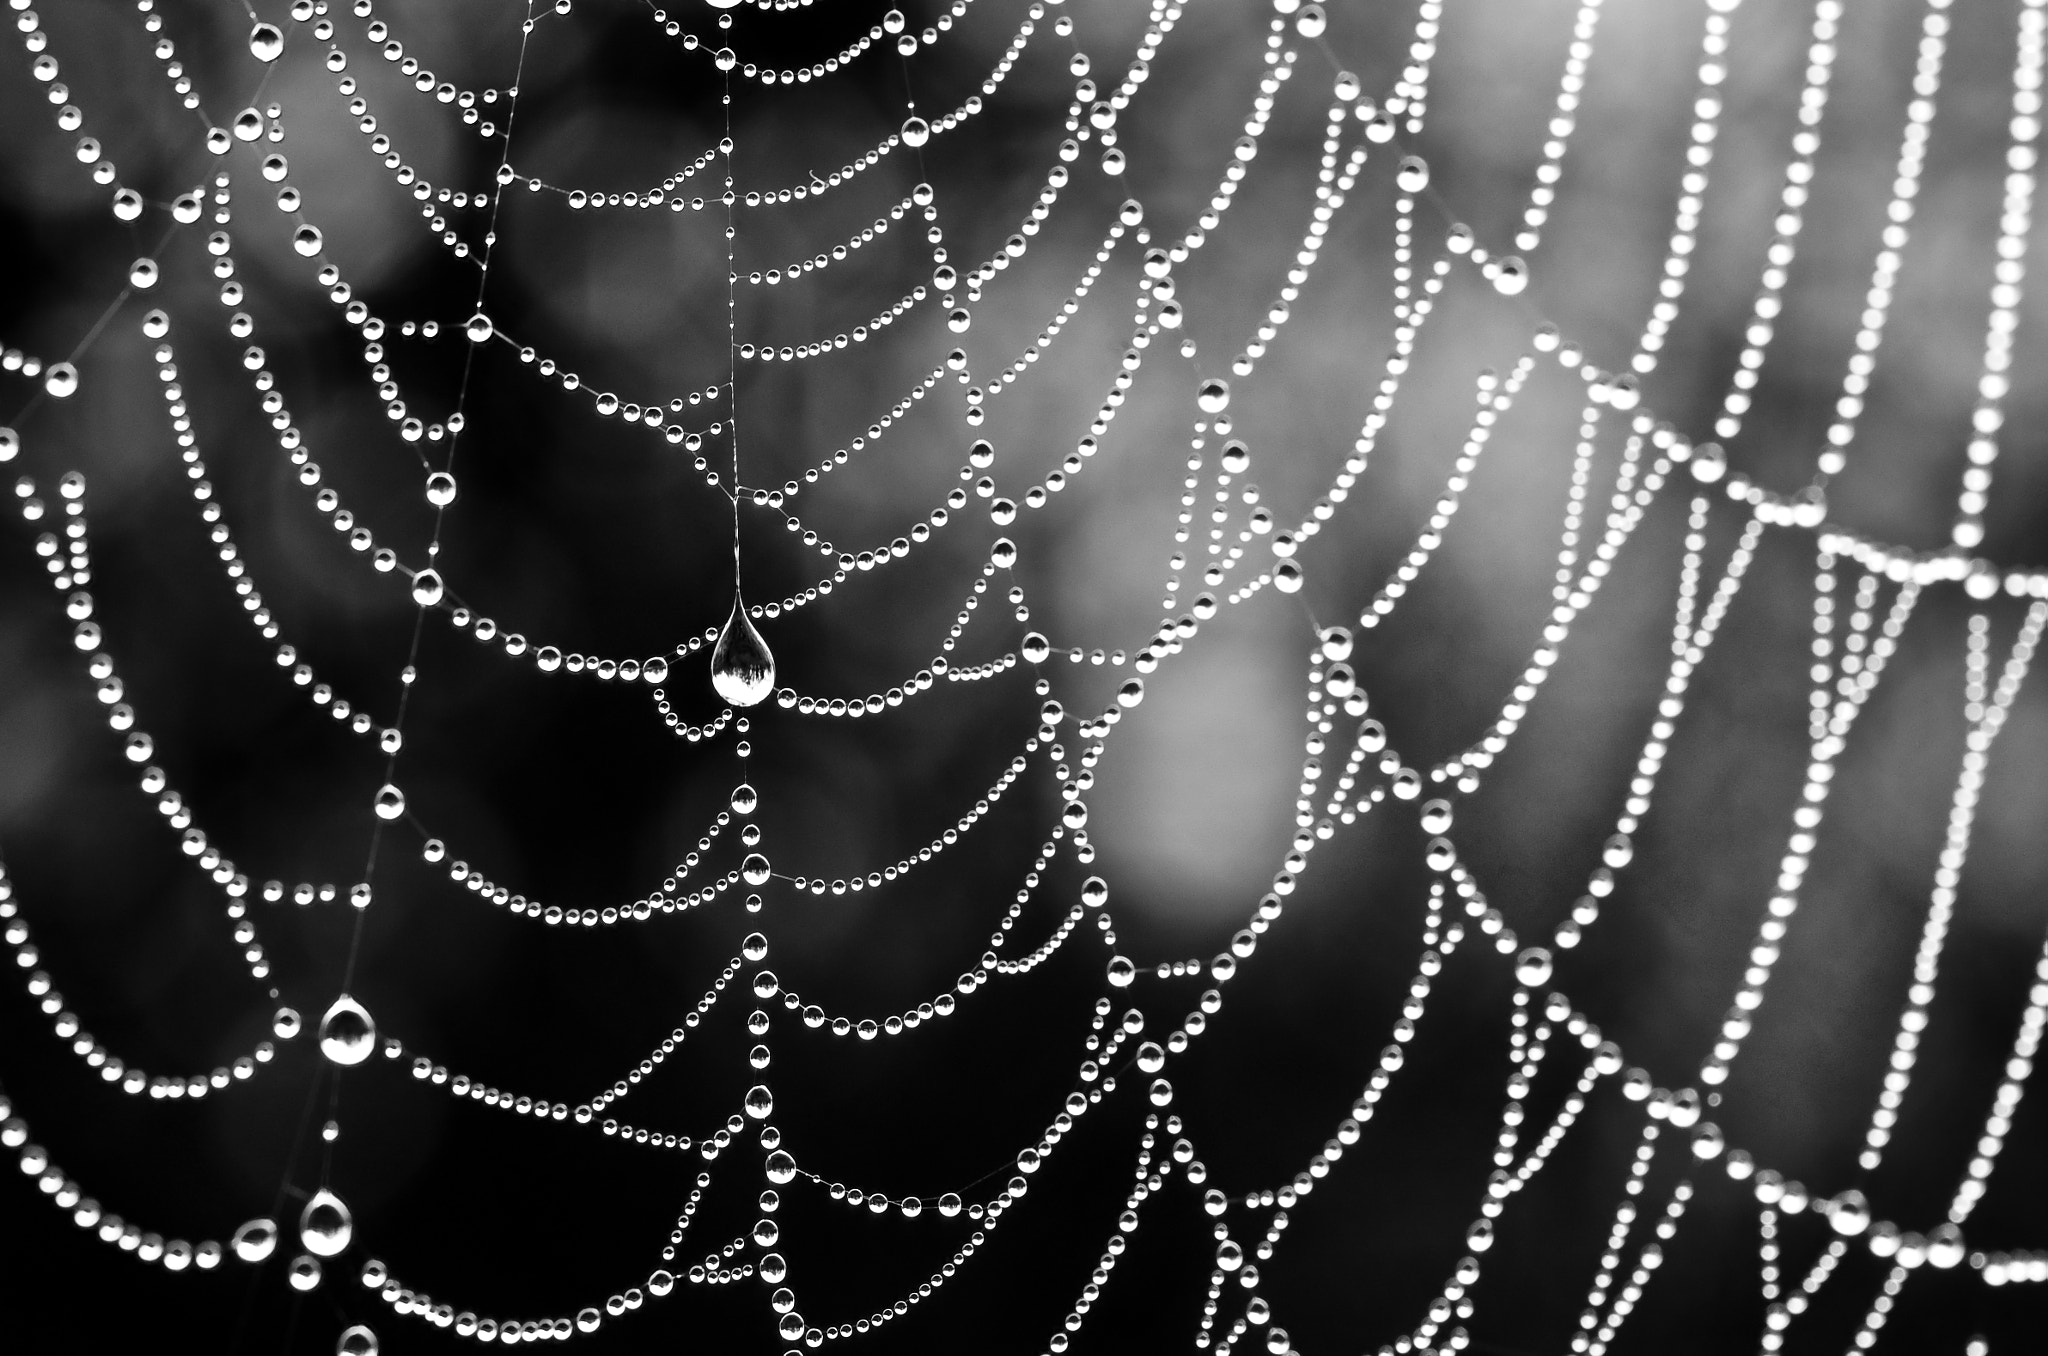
(1865, 595)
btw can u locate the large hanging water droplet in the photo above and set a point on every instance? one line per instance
(265, 42)
(347, 1035)
(255, 1241)
(916, 132)
(742, 669)
(325, 1225)
(356, 1341)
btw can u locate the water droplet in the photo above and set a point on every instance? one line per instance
(440, 493)
(1460, 239)
(742, 669)
(1510, 275)
(1075, 815)
(1213, 396)
(285, 1023)
(1436, 816)
(960, 320)
(304, 1274)
(186, 208)
(1619, 851)
(744, 799)
(325, 1225)
(267, 44)
(10, 445)
(916, 132)
(248, 124)
(61, 380)
(479, 328)
(1709, 463)
(1151, 1057)
(347, 1035)
(1480, 1236)
(1850, 1214)
(755, 869)
(1237, 458)
(1532, 967)
(1036, 649)
(390, 802)
(1121, 972)
(1407, 783)
(1287, 577)
(1095, 892)
(1161, 1092)
(255, 1241)
(427, 588)
(1131, 693)
(1413, 175)
(1310, 23)
(781, 1168)
(1945, 1246)
(760, 1102)
(307, 240)
(1003, 554)
(1340, 680)
(142, 274)
(127, 205)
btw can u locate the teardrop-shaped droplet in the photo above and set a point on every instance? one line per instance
(325, 1225)
(742, 669)
(265, 42)
(255, 1241)
(916, 132)
(347, 1035)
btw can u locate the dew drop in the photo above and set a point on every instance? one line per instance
(1287, 577)
(916, 132)
(1510, 276)
(1161, 1092)
(61, 380)
(781, 1168)
(1237, 458)
(325, 1225)
(760, 1102)
(742, 669)
(1131, 693)
(307, 241)
(744, 799)
(1121, 972)
(1151, 1057)
(479, 328)
(267, 44)
(142, 274)
(127, 204)
(1036, 649)
(755, 869)
(1709, 463)
(356, 1341)
(1213, 396)
(440, 493)
(390, 802)
(248, 124)
(286, 1023)
(1619, 851)
(304, 1274)
(1095, 892)
(949, 1205)
(1436, 816)
(185, 208)
(1413, 175)
(427, 589)
(1003, 554)
(1407, 783)
(255, 1241)
(347, 1035)
(1532, 967)
(10, 444)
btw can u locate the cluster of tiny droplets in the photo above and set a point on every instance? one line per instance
(2015, 224)
(1563, 121)
(1884, 276)
(1853, 656)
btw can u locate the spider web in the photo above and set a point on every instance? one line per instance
(700, 861)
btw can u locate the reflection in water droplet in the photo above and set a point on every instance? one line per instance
(325, 1225)
(742, 669)
(255, 1241)
(347, 1035)
(265, 42)
(305, 1273)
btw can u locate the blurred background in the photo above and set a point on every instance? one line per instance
(593, 535)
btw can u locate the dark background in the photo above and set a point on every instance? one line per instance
(587, 534)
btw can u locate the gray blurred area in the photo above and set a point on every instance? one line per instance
(597, 536)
